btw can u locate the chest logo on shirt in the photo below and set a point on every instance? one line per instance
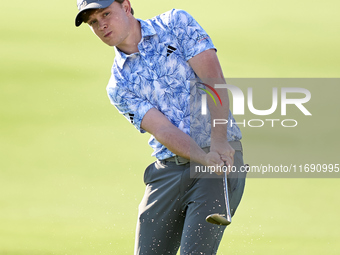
(170, 50)
(131, 117)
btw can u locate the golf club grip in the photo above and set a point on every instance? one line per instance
(226, 197)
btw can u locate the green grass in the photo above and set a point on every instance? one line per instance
(71, 167)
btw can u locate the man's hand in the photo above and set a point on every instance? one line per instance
(224, 150)
(213, 159)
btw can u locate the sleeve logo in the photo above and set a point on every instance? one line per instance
(202, 37)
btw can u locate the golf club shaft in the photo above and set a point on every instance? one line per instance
(226, 197)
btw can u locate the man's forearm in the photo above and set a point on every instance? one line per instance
(172, 137)
(219, 111)
(180, 144)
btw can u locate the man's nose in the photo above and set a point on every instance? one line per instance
(102, 25)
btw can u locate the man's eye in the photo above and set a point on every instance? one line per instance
(106, 14)
(93, 22)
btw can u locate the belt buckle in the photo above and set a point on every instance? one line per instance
(179, 163)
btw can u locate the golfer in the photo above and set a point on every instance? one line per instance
(162, 69)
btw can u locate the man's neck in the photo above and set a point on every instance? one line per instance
(130, 45)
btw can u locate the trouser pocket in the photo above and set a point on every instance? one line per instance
(147, 173)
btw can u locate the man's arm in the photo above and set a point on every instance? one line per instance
(208, 69)
(176, 140)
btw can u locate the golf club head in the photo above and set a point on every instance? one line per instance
(218, 219)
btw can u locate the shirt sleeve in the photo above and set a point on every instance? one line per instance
(191, 36)
(132, 107)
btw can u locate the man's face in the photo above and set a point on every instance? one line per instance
(111, 24)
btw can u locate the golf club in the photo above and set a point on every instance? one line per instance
(221, 219)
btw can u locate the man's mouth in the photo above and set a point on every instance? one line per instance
(107, 34)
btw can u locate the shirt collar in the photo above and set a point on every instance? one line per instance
(147, 30)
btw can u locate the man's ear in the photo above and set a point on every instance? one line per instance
(127, 6)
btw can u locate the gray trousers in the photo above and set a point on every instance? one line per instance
(174, 207)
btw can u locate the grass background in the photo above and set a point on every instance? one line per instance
(71, 168)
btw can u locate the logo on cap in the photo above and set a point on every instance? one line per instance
(83, 5)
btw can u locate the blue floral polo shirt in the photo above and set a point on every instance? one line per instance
(159, 76)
